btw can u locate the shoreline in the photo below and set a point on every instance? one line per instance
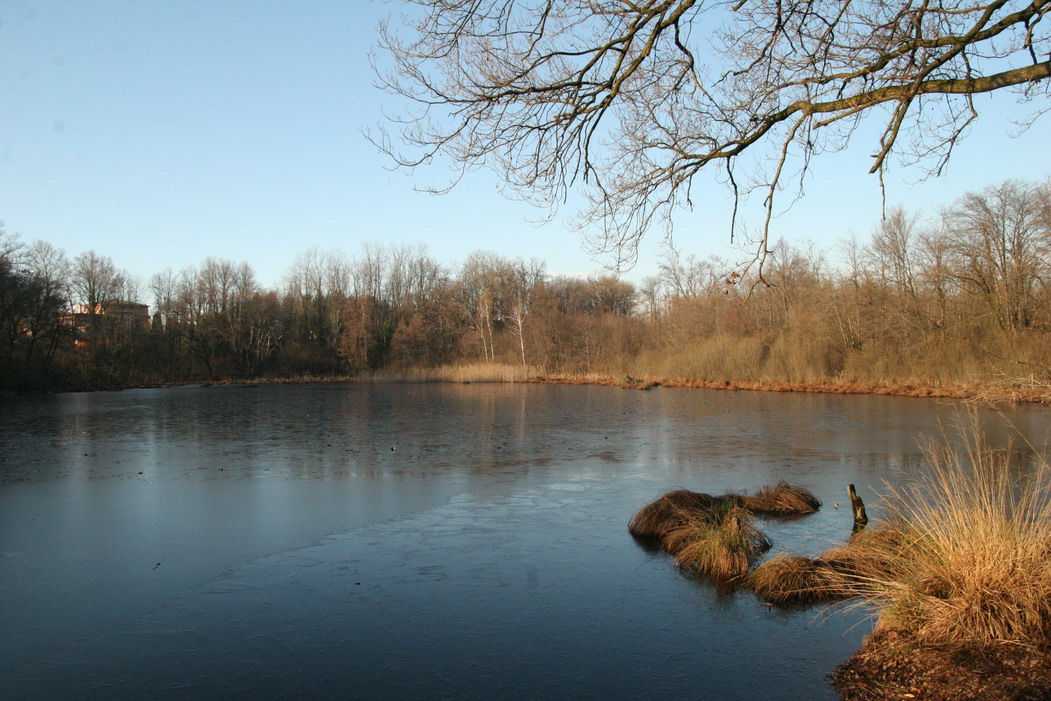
(993, 393)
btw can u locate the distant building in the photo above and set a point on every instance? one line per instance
(127, 316)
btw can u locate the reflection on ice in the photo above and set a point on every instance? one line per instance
(221, 541)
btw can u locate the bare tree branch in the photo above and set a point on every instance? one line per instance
(630, 100)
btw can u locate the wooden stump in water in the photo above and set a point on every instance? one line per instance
(861, 518)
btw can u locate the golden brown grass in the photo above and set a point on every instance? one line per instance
(869, 553)
(793, 579)
(720, 543)
(657, 518)
(782, 499)
(709, 536)
(462, 373)
(963, 559)
(972, 562)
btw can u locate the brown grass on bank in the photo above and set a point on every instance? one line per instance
(983, 392)
(721, 543)
(870, 553)
(963, 559)
(782, 499)
(974, 565)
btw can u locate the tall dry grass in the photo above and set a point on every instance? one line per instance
(791, 579)
(719, 357)
(462, 373)
(721, 542)
(970, 563)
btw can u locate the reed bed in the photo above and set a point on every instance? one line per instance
(463, 374)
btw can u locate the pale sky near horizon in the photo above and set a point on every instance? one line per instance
(163, 133)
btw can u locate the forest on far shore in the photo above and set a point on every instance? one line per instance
(957, 298)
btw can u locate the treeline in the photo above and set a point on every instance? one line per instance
(960, 298)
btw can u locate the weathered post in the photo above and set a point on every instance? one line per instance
(860, 517)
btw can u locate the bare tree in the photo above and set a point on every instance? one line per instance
(635, 99)
(96, 283)
(1003, 249)
(50, 269)
(525, 279)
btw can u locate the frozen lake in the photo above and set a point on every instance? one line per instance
(417, 541)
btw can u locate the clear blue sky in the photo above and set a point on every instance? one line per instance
(162, 133)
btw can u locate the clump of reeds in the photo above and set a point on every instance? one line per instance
(793, 579)
(782, 499)
(839, 573)
(669, 511)
(871, 552)
(720, 543)
(714, 536)
(974, 564)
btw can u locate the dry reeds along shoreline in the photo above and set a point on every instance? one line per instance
(990, 392)
(962, 558)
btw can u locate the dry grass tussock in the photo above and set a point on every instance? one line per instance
(655, 519)
(659, 517)
(714, 536)
(790, 579)
(972, 562)
(720, 543)
(782, 499)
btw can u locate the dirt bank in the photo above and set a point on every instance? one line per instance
(890, 665)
